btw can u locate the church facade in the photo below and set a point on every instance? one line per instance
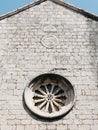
(46, 45)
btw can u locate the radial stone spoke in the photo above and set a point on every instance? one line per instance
(56, 104)
(52, 89)
(46, 90)
(42, 91)
(52, 106)
(47, 106)
(57, 90)
(59, 95)
(40, 106)
(59, 101)
(39, 100)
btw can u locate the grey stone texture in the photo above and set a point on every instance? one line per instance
(23, 57)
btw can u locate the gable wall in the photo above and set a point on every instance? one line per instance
(23, 57)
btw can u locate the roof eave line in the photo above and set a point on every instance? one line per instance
(71, 7)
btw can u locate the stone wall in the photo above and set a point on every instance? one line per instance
(23, 57)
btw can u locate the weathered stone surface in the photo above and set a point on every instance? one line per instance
(22, 57)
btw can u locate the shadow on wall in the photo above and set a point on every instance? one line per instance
(92, 28)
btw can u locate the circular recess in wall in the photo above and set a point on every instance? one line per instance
(49, 96)
(49, 41)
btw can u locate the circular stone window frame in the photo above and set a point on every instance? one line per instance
(30, 105)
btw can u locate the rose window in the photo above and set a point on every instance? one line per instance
(49, 95)
(49, 98)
